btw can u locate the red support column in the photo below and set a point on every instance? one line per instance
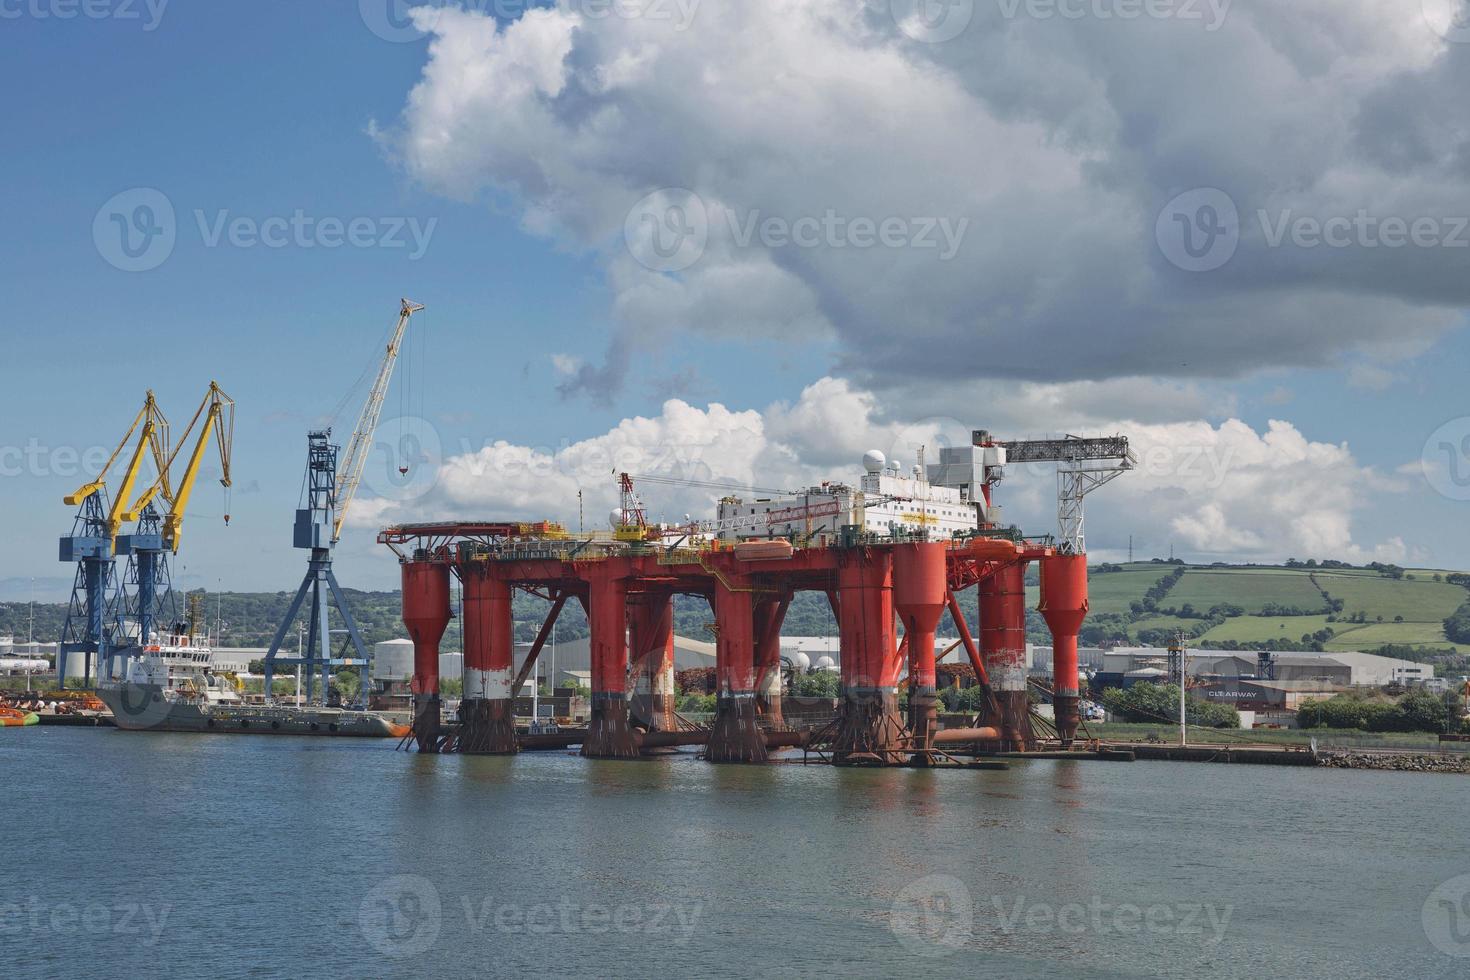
(735, 736)
(868, 728)
(1003, 648)
(920, 593)
(651, 631)
(609, 736)
(770, 614)
(426, 613)
(1064, 605)
(487, 714)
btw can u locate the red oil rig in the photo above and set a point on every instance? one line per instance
(895, 549)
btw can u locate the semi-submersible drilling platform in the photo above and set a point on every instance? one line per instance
(896, 548)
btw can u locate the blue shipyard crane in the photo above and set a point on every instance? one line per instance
(328, 493)
(91, 544)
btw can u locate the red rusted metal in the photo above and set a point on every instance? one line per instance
(651, 639)
(426, 613)
(609, 734)
(1064, 605)
(1003, 649)
(487, 718)
(867, 726)
(920, 590)
(770, 614)
(735, 736)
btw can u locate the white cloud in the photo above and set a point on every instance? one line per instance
(1058, 139)
(1217, 491)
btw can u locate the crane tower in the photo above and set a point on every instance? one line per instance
(329, 490)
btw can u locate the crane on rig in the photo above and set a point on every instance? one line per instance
(92, 542)
(146, 586)
(1085, 465)
(329, 489)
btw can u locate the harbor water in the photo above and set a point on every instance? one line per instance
(136, 854)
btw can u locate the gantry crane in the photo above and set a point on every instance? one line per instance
(1085, 465)
(91, 544)
(146, 587)
(328, 494)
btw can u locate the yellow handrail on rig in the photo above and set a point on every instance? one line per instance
(154, 438)
(218, 411)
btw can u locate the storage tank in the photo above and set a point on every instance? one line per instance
(393, 661)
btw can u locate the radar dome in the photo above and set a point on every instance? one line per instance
(614, 518)
(873, 461)
(826, 663)
(799, 660)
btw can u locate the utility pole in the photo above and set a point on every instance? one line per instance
(1178, 649)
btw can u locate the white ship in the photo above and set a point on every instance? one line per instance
(168, 685)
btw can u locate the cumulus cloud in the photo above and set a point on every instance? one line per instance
(1053, 142)
(1224, 490)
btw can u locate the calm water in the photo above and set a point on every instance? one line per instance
(132, 854)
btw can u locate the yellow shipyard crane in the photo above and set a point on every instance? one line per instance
(92, 542)
(146, 587)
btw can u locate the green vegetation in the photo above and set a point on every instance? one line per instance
(1160, 702)
(1254, 591)
(1418, 711)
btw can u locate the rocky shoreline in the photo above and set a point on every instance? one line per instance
(1395, 763)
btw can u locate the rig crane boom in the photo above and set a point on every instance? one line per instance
(1085, 465)
(367, 423)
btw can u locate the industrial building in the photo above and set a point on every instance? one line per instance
(1124, 666)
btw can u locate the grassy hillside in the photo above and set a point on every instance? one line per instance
(1402, 612)
(1333, 608)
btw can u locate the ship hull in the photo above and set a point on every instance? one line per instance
(142, 707)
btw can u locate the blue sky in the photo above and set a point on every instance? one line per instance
(268, 109)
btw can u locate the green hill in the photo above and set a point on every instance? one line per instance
(1329, 607)
(1311, 606)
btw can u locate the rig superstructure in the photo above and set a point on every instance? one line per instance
(895, 549)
